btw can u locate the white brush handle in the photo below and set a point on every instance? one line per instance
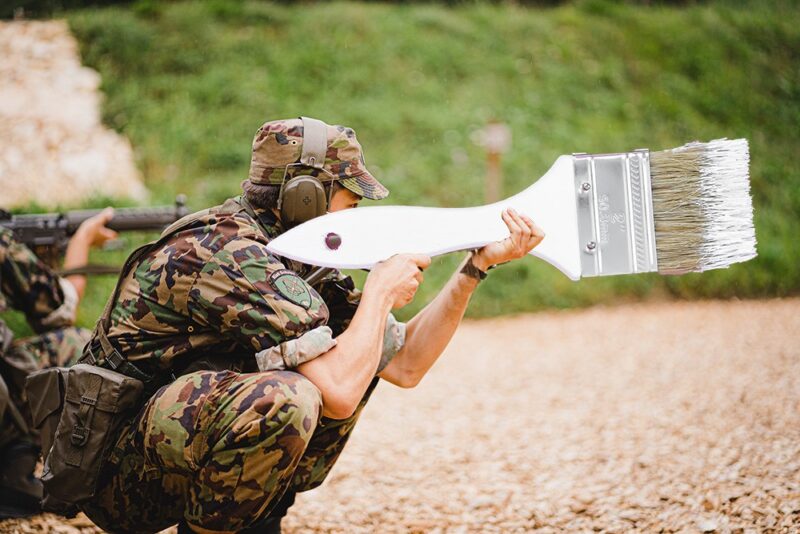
(373, 234)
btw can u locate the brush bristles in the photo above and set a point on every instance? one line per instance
(702, 207)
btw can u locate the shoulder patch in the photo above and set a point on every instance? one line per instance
(291, 287)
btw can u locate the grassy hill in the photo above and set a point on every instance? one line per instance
(189, 83)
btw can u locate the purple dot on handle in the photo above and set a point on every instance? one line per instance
(332, 241)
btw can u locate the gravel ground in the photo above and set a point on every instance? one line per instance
(675, 417)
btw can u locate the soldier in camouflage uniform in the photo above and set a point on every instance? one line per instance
(264, 375)
(49, 303)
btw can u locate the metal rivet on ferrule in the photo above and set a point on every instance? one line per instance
(586, 186)
(591, 246)
(333, 241)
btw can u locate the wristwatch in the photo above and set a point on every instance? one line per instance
(470, 270)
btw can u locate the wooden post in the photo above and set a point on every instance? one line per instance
(496, 139)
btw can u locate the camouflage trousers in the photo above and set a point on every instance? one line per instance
(61, 347)
(219, 449)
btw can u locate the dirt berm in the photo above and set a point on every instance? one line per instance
(54, 150)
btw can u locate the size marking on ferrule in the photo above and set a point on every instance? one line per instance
(614, 210)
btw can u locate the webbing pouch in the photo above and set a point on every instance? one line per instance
(45, 391)
(97, 403)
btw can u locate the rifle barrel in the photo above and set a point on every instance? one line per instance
(127, 219)
(54, 229)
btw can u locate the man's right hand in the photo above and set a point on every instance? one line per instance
(343, 373)
(398, 277)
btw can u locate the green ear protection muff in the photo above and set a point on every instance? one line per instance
(303, 197)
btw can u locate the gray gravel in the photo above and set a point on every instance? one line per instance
(674, 417)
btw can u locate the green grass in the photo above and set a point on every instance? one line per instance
(189, 84)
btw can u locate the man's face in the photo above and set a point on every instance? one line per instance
(343, 199)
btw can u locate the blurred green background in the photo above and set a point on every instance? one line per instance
(190, 82)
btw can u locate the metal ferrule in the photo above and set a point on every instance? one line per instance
(615, 213)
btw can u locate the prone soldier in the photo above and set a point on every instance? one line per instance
(253, 378)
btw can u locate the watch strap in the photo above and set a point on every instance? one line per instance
(470, 270)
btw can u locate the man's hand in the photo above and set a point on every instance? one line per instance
(429, 332)
(93, 231)
(525, 235)
(398, 277)
(343, 373)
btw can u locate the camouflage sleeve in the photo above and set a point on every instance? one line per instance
(30, 286)
(246, 294)
(291, 353)
(394, 337)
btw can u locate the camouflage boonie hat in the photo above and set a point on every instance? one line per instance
(280, 143)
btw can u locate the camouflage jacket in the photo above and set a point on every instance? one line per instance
(28, 285)
(212, 291)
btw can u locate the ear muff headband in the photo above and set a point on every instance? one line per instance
(315, 143)
(303, 197)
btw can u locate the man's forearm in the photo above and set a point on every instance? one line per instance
(77, 255)
(343, 373)
(429, 332)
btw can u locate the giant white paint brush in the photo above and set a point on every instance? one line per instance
(675, 211)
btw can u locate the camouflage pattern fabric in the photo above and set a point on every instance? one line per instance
(211, 289)
(294, 352)
(218, 449)
(30, 286)
(342, 297)
(58, 348)
(325, 447)
(291, 353)
(280, 143)
(49, 304)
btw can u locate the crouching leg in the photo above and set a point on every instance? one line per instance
(217, 449)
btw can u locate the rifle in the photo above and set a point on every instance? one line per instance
(48, 234)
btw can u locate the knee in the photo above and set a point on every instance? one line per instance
(302, 405)
(289, 410)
